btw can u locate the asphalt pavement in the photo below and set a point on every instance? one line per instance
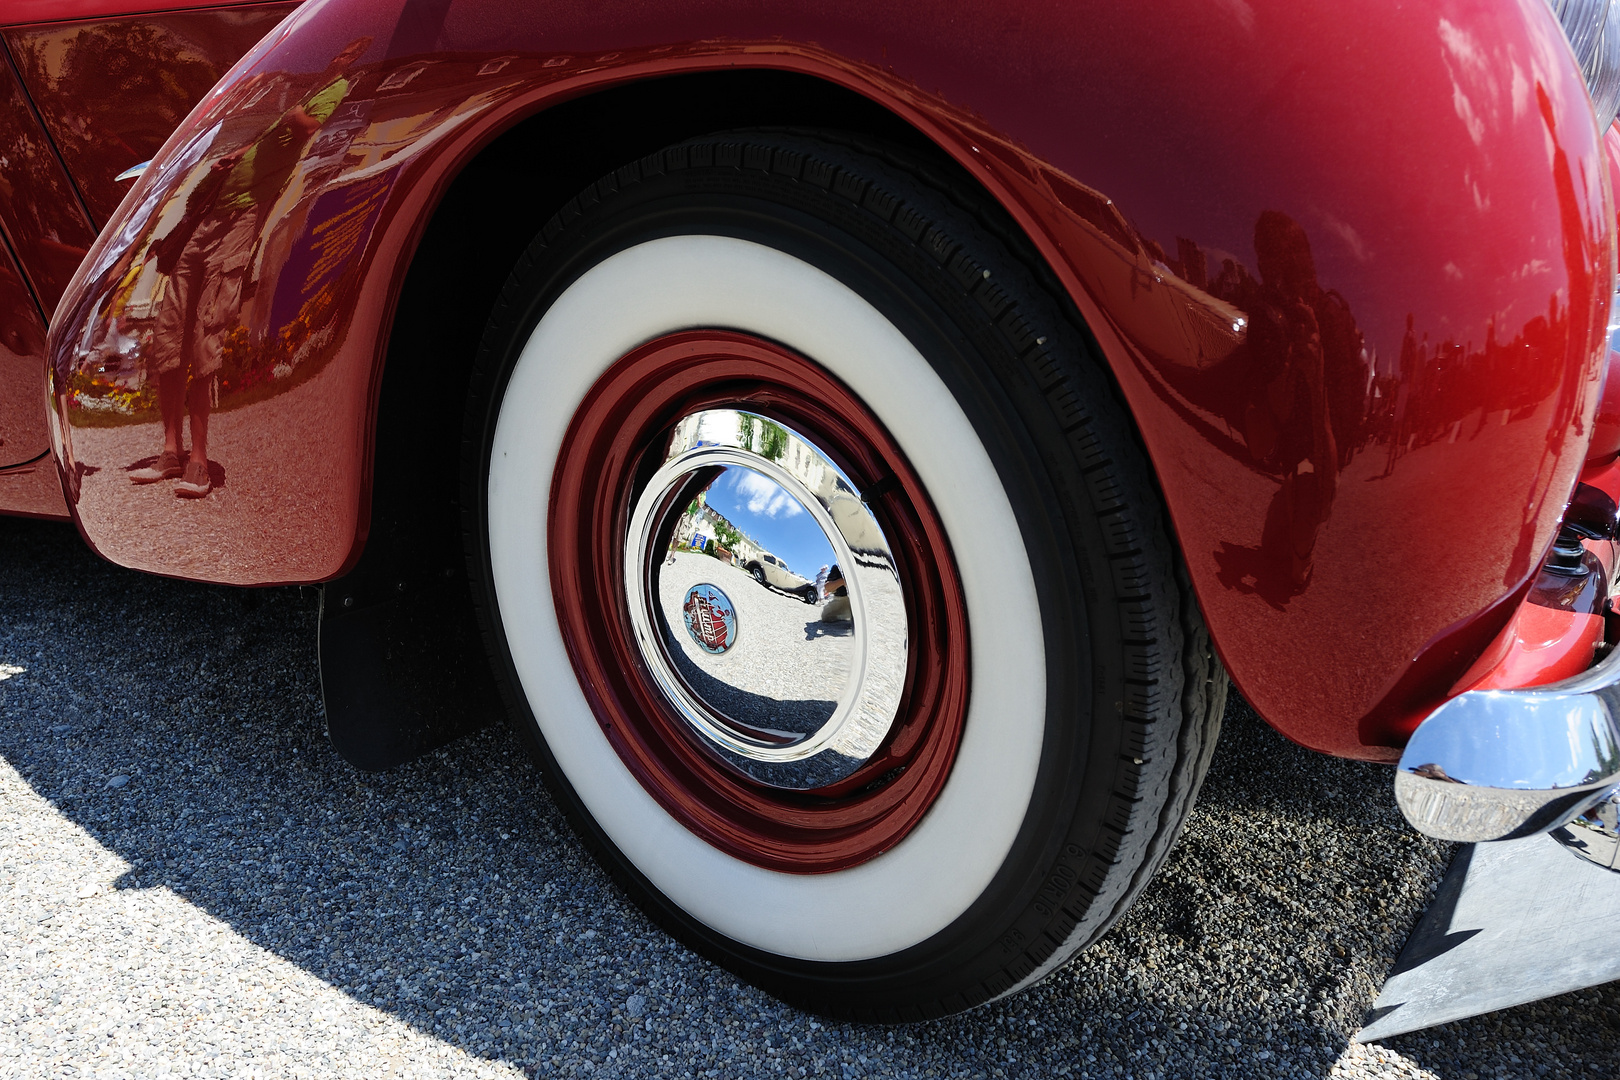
(193, 884)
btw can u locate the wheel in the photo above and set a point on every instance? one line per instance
(759, 575)
(838, 354)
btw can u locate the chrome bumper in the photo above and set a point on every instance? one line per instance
(1501, 764)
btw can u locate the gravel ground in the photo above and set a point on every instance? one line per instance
(192, 883)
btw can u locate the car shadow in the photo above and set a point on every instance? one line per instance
(451, 894)
(802, 716)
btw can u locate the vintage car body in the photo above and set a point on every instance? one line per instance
(1499, 273)
(1417, 198)
(772, 571)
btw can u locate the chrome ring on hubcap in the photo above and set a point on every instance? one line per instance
(794, 696)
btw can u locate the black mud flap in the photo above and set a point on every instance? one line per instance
(402, 667)
(1513, 921)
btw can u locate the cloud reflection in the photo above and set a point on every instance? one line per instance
(765, 497)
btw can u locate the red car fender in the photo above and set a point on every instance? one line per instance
(1350, 266)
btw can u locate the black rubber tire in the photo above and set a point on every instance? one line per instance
(1134, 693)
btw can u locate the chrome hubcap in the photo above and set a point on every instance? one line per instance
(795, 686)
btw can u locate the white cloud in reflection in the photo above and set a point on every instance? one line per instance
(765, 497)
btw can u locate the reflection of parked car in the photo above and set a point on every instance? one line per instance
(773, 573)
(1139, 334)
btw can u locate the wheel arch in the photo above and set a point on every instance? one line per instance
(500, 196)
(1045, 110)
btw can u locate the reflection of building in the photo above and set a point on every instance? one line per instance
(799, 460)
(362, 140)
(710, 524)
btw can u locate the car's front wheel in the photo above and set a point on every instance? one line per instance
(937, 790)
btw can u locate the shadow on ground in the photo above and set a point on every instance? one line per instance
(451, 894)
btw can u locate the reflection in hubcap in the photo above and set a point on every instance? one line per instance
(737, 503)
(751, 749)
(710, 618)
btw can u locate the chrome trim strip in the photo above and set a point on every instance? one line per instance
(133, 171)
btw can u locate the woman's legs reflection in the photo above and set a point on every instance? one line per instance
(196, 483)
(172, 408)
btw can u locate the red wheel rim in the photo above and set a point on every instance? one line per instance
(622, 424)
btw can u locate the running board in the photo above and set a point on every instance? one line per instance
(1513, 921)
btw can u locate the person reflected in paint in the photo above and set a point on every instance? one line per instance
(1301, 339)
(207, 257)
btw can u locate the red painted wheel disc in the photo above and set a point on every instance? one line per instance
(615, 438)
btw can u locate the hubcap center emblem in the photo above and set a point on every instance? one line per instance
(710, 618)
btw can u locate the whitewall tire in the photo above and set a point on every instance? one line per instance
(805, 279)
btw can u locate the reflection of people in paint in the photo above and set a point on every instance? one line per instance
(1297, 333)
(207, 256)
(836, 609)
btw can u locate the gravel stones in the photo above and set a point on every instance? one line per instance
(784, 653)
(248, 905)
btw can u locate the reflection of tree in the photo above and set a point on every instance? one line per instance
(767, 438)
(726, 533)
(46, 225)
(112, 92)
(131, 80)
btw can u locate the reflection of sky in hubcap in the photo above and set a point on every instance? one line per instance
(750, 532)
(732, 532)
(771, 519)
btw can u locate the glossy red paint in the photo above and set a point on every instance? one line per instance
(1351, 281)
(1549, 642)
(626, 417)
(111, 91)
(33, 490)
(25, 446)
(23, 434)
(1562, 623)
(28, 483)
(19, 12)
(44, 223)
(101, 97)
